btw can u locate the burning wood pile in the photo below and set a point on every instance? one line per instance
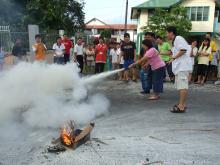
(71, 137)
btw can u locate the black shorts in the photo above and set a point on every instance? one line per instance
(202, 69)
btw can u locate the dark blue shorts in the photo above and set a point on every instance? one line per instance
(127, 63)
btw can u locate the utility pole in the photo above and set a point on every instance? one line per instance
(126, 17)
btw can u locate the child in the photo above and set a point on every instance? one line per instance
(114, 58)
(90, 58)
(121, 62)
(39, 49)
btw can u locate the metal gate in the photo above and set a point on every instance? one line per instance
(8, 38)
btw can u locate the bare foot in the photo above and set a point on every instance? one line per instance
(153, 97)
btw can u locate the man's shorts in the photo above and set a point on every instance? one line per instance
(182, 80)
(127, 63)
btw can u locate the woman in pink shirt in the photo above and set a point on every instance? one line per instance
(152, 58)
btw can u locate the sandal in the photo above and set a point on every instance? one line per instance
(176, 109)
(176, 105)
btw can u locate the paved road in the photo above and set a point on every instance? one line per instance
(148, 130)
(136, 132)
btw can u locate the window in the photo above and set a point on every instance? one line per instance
(206, 14)
(198, 13)
(193, 14)
(189, 12)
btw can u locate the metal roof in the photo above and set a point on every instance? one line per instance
(152, 4)
(158, 4)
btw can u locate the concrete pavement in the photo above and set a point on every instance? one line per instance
(135, 131)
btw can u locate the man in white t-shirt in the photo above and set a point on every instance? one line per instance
(181, 66)
(78, 54)
(59, 50)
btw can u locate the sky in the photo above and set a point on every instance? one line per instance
(109, 11)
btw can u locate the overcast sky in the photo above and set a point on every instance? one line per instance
(109, 11)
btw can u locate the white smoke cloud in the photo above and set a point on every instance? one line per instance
(42, 95)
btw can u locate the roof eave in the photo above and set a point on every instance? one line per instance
(141, 8)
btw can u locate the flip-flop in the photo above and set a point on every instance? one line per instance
(177, 110)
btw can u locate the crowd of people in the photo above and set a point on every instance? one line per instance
(160, 59)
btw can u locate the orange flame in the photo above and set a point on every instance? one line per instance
(66, 134)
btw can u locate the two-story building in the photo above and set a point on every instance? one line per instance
(204, 14)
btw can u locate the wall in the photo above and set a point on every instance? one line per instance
(142, 20)
(202, 26)
(119, 36)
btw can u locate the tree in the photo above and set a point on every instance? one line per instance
(12, 12)
(161, 19)
(106, 33)
(48, 14)
(56, 14)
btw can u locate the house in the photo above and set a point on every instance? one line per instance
(204, 14)
(95, 26)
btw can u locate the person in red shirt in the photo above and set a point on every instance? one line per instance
(68, 45)
(101, 56)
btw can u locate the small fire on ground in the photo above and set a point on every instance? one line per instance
(71, 137)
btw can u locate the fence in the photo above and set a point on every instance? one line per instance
(5, 37)
(8, 38)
